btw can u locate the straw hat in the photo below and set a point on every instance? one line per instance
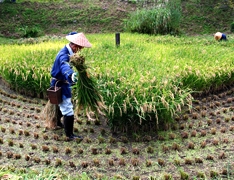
(78, 39)
(218, 36)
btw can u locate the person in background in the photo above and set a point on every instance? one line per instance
(64, 76)
(220, 36)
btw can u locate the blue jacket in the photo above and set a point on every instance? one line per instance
(223, 37)
(62, 71)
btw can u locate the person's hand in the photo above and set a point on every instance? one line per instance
(74, 77)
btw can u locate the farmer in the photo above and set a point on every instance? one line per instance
(63, 74)
(220, 36)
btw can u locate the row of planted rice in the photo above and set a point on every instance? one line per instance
(144, 81)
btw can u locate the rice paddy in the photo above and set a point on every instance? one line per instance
(147, 84)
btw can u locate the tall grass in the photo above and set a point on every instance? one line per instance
(144, 82)
(161, 19)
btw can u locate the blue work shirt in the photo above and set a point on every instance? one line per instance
(62, 71)
(223, 37)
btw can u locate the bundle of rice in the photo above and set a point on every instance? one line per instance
(49, 114)
(87, 94)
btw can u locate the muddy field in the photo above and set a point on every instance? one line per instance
(199, 144)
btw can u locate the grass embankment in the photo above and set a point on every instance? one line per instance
(39, 17)
(144, 81)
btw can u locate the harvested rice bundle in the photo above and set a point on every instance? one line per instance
(49, 114)
(87, 94)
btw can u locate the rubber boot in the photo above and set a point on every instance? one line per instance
(66, 121)
(59, 116)
(71, 128)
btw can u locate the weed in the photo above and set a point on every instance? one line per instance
(123, 150)
(26, 157)
(193, 133)
(111, 162)
(188, 161)
(91, 130)
(3, 129)
(185, 135)
(26, 133)
(227, 119)
(200, 175)
(165, 148)
(182, 126)
(135, 151)
(112, 140)
(21, 145)
(150, 149)
(213, 174)
(203, 114)
(10, 142)
(176, 162)
(87, 140)
(12, 131)
(213, 131)
(204, 107)
(58, 162)
(103, 131)
(198, 160)
(122, 161)
(209, 122)
(72, 164)
(78, 140)
(17, 156)
(96, 162)
(80, 151)
(209, 157)
(222, 155)
(56, 137)
(36, 135)
(225, 140)
(203, 144)
(223, 130)
(85, 130)
(101, 139)
(177, 118)
(224, 172)
(215, 142)
(94, 151)
(45, 137)
(161, 162)
(55, 149)
(79, 121)
(185, 117)
(45, 148)
(191, 145)
(167, 177)
(108, 151)
(97, 122)
(47, 161)
(68, 150)
(124, 139)
(161, 138)
(9, 154)
(176, 146)
(148, 163)
(75, 129)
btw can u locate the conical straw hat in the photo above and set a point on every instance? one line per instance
(79, 39)
(218, 36)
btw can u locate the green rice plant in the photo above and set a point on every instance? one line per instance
(142, 88)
